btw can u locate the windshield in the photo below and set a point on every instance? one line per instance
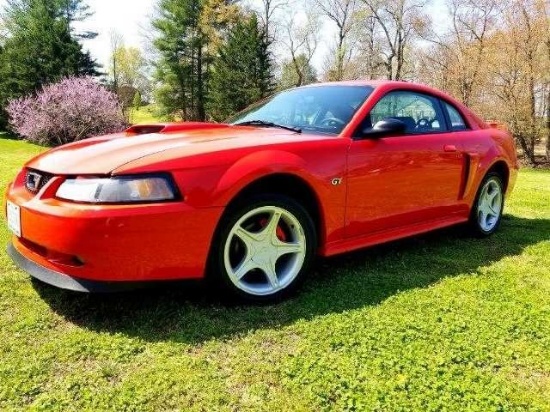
(325, 109)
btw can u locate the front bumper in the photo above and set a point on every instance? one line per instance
(70, 245)
(63, 281)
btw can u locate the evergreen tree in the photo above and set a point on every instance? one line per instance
(179, 69)
(242, 73)
(76, 10)
(190, 32)
(39, 48)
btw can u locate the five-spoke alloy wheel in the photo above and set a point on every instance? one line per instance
(264, 248)
(488, 206)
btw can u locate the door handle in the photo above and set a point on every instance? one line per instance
(450, 148)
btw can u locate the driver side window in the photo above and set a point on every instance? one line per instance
(420, 113)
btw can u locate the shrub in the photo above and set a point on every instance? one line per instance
(73, 109)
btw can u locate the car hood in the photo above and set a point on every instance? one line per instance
(102, 155)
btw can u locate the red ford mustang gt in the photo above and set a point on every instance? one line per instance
(317, 170)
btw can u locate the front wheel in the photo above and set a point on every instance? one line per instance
(488, 206)
(263, 248)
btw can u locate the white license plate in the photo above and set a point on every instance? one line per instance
(14, 218)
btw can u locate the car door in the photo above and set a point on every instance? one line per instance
(401, 180)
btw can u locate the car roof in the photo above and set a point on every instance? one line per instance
(384, 86)
(372, 83)
(390, 85)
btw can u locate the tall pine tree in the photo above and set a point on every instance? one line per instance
(242, 73)
(178, 68)
(39, 47)
(189, 34)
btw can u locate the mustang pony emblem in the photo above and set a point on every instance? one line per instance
(33, 181)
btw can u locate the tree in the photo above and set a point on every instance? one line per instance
(495, 60)
(128, 68)
(242, 73)
(136, 103)
(519, 72)
(73, 109)
(181, 67)
(342, 13)
(297, 72)
(116, 42)
(76, 11)
(391, 26)
(463, 49)
(189, 32)
(369, 60)
(38, 49)
(301, 42)
(545, 8)
(267, 15)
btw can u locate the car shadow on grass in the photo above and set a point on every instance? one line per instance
(189, 312)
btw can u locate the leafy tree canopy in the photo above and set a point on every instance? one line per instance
(297, 72)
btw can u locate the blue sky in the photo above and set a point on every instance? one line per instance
(130, 17)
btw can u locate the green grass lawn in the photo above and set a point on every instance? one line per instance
(145, 114)
(437, 322)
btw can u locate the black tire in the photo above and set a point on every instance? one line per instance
(491, 182)
(228, 245)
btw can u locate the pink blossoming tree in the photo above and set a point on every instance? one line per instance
(73, 109)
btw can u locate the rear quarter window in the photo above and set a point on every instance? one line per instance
(457, 121)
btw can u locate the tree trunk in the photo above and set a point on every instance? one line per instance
(115, 75)
(548, 125)
(548, 107)
(532, 111)
(389, 66)
(528, 152)
(184, 100)
(400, 59)
(340, 61)
(200, 85)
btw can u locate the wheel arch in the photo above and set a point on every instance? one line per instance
(501, 167)
(273, 171)
(290, 185)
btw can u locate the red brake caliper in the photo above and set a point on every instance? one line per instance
(280, 232)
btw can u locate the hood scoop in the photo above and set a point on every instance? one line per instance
(162, 128)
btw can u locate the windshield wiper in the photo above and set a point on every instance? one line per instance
(268, 124)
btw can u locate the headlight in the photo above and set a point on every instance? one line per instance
(121, 189)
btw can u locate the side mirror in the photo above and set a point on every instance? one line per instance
(386, 127)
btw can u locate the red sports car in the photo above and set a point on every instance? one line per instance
(316, 170)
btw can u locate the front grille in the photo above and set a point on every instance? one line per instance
(36, 180)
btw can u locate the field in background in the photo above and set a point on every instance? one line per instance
(145, 114)
(435, 322)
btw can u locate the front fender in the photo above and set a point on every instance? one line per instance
(255, 166)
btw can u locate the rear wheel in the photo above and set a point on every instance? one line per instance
(263, 248)
(488, 206)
